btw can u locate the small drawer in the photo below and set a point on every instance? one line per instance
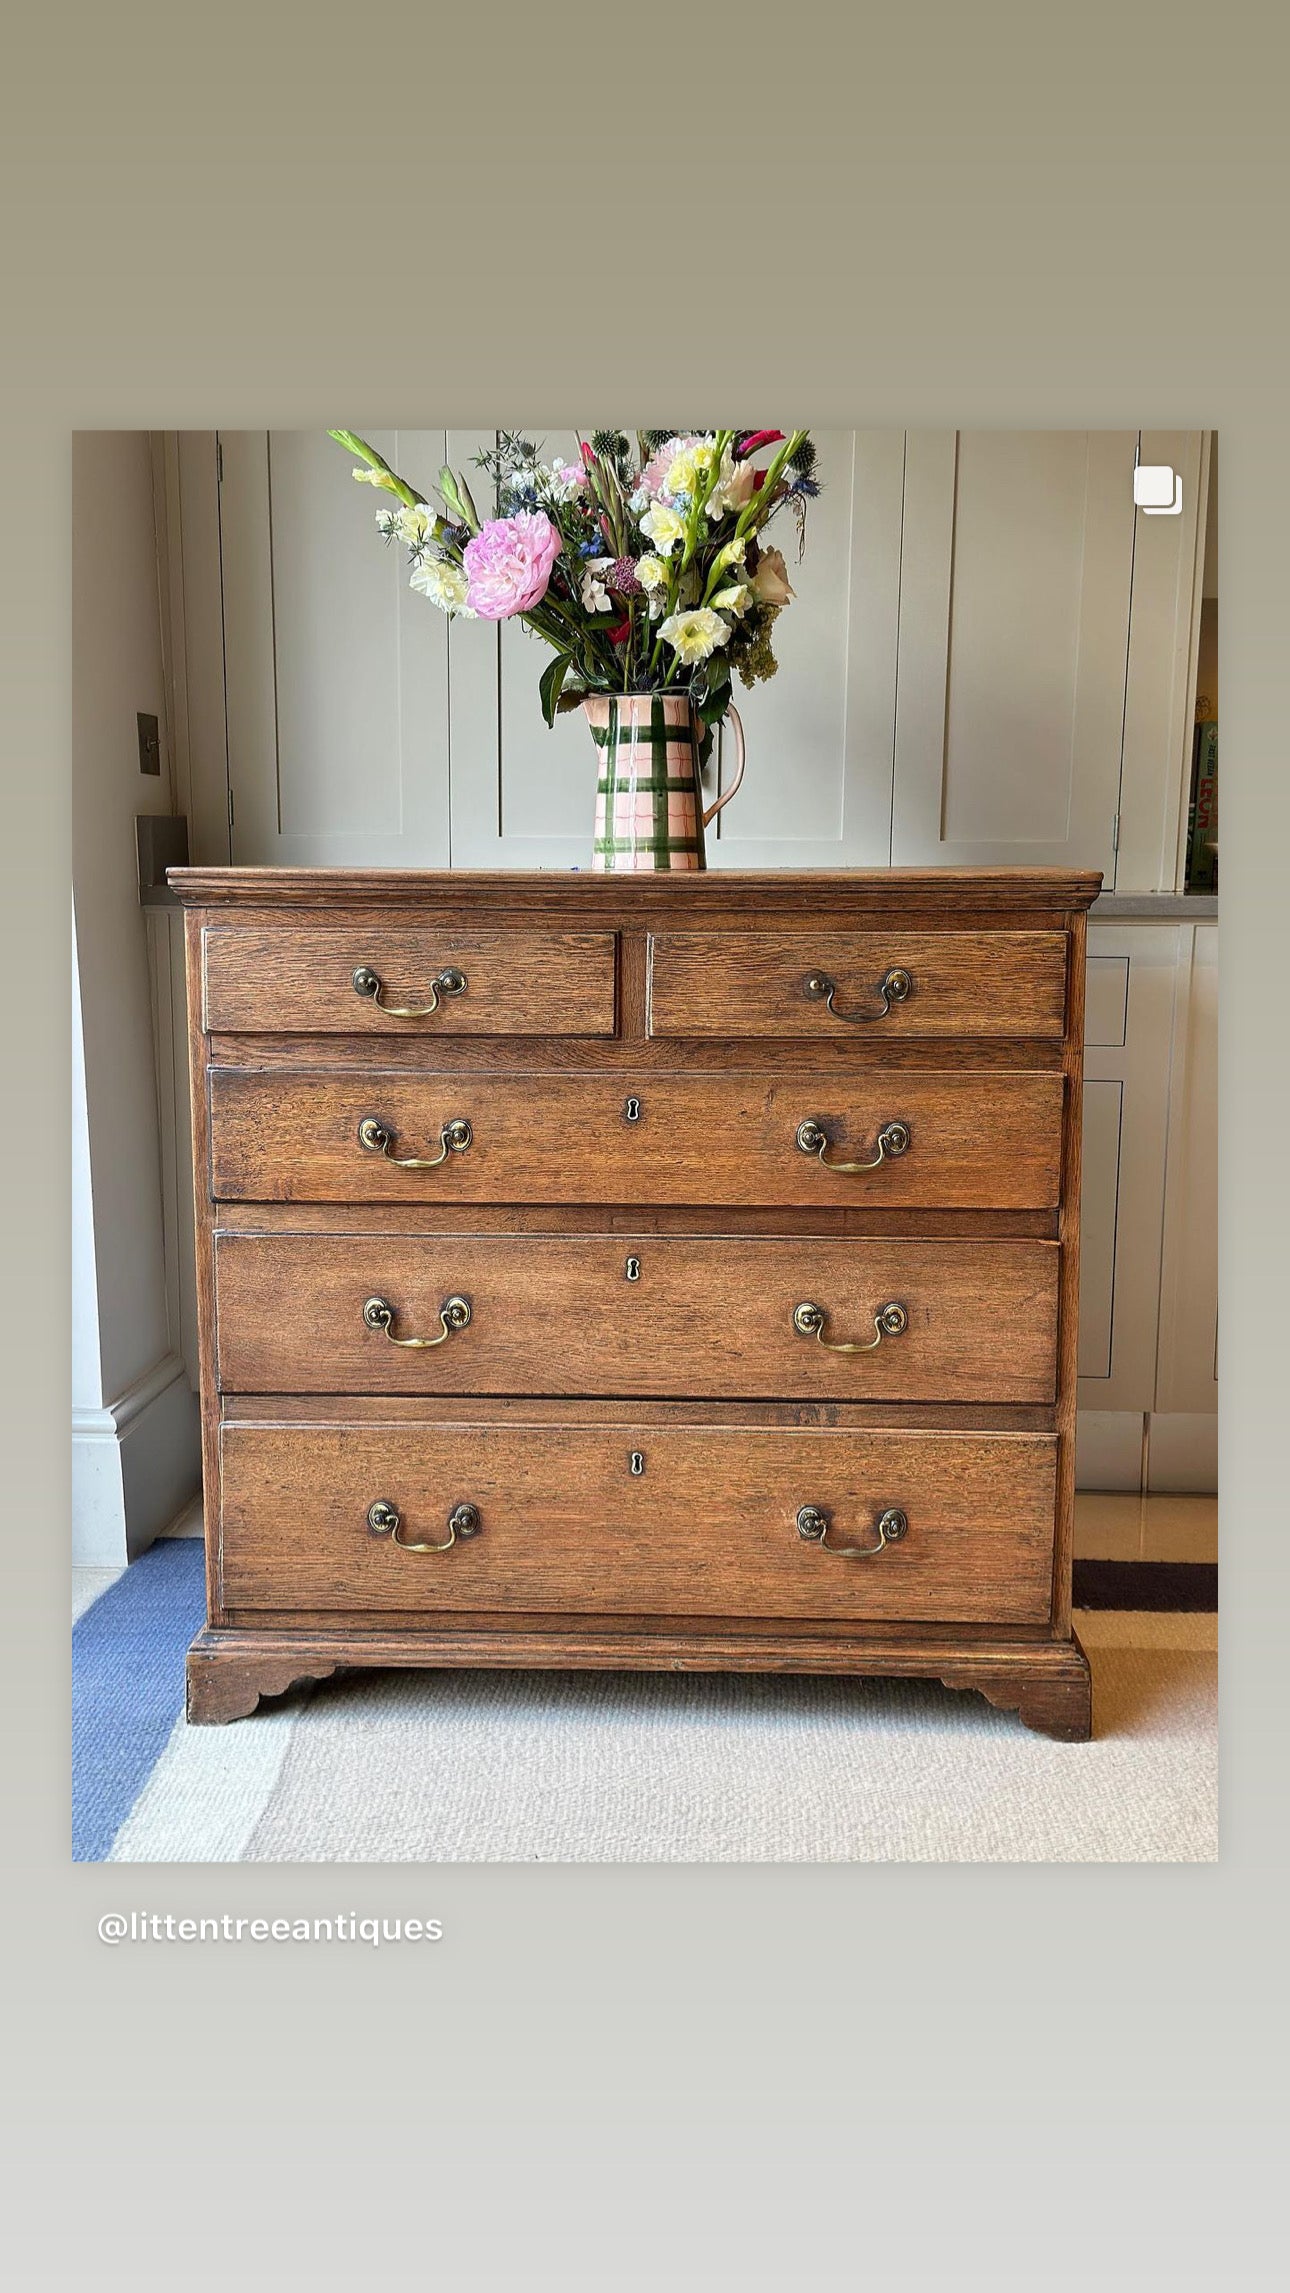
(900, 1139)
(661, 1520)
(877, 984)
(650, 1315)
(392, 981)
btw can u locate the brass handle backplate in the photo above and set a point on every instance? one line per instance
(893, 1140)
(385, 1520)
(454, 1314)
(371, 987)
(813, 1528)
(889, 1321)
(895, 986)
(376, 1137)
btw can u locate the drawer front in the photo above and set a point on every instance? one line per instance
(708, 1526)
(609, 1314)
(413, 980)
(959, 1141)
(779, 983)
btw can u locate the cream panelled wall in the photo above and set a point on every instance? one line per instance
(1016, 577)
(975, 612)
(336, 673)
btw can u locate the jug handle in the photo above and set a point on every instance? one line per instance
(733, 790)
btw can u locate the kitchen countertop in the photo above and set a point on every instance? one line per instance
(1155, 907)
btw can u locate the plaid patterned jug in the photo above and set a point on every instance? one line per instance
(649, 807)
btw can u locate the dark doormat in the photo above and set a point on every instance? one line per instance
(1190, 1586)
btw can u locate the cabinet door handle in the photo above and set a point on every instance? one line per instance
(809, 1321)
(813, 1528)
(893, 1139)
(376, 1137)
(454, 1314)
(371, 987)
(895, 986)
(385, 1520)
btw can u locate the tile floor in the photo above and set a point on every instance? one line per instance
(1128, 1527)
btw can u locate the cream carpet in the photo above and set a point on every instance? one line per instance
(666, 1768)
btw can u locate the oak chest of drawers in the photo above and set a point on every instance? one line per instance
(661, 1271)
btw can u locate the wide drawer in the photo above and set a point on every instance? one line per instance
(411, 980)
(665, 1520)
(831, 983)
(982, 1140)
(617, 1314)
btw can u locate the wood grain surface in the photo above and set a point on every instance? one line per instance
(990, 1141)
(1046, 1683)
(536, 1410)
(684, 994)
(298, 978)
(708, 1527)
(948, 896)
(965, 984)
(559, 1315)
(736, 1220)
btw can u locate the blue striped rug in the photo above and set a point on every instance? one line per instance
(516, 1767)
(128, 1686)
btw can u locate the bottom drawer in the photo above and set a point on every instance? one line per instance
(660, 1519)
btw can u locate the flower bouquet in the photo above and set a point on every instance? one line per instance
(643, 567)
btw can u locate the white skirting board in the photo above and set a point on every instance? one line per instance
(136, 1462)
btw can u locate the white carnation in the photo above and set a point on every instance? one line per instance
(443, 583)
(414, 523)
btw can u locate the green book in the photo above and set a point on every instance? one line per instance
(1202, 865)
(1191, 803)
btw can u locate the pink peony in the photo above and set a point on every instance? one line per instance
(508, 564)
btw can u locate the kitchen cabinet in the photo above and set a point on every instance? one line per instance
(1149, 1273)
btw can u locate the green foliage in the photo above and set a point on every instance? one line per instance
(457, 499)
(715, 701)
(353, 444)
(551, 684)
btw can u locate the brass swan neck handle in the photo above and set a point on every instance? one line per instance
(893, 1140)
(371, 987)
(377, 1137)
(385, 1520)
(809, 1321)
(813, 1528)
(454, 1314)
(895, 986)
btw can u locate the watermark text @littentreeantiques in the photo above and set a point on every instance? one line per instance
(117, 1927)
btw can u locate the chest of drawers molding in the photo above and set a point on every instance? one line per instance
(638, 1272)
